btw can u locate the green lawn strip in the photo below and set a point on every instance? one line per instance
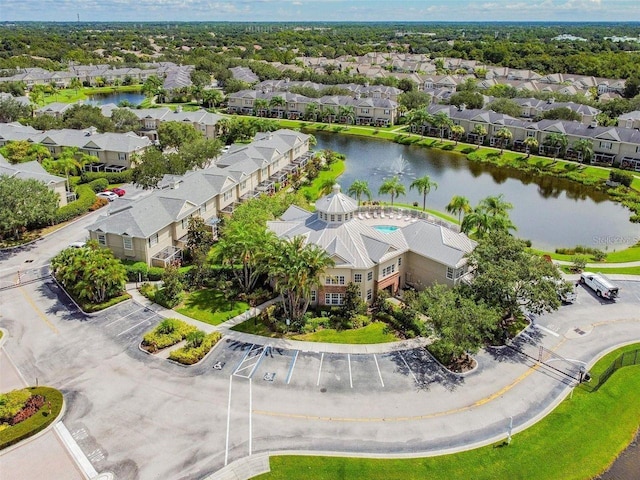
(376, 332)
(578, 440)
(630, 254)
(96, 307)
(613, 271)
(255, 327)
(36, 423)
(211, 306)
(335, 170)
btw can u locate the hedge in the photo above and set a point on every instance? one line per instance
(154, 340)
(188, 355)
(86, 198)
(38, 422)
(112, 177)
(96, 307)
(140, 271)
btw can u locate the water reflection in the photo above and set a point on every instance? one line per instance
(551, 212)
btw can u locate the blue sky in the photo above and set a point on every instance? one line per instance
(320, 10)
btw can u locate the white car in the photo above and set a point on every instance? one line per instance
(77, 245)
(108, 195)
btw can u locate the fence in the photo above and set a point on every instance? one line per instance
(594, 382)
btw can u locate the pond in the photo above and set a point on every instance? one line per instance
(551, 212)
(116, 97)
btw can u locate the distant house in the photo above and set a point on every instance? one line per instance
(33, 170)
(630, 120)
(417, 254)
(244, 74)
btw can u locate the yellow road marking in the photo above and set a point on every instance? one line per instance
(38, 311)
(478, 403)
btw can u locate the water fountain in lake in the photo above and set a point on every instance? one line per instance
(398, 167)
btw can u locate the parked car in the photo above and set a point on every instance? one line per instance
(107, 195)
(77, 245)
(118, 191)
(600, 284)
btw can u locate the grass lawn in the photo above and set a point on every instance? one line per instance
(621, 270)
(631, 254)
(36, 423)
(376, 332)
(578, 440)
(211, 306)
(372, 333)
(335, 170)
(435, 213)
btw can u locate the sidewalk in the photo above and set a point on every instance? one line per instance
(283, 343)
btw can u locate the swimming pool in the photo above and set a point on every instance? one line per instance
(386, 228)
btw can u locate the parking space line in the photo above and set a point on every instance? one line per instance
(409, 368)
(293, 364)
(122, 318)
(226, 449)
(378, 367)
(244, 358)
(350, 376)
(250, 419)
(544, 329)
(257, 364)
(320, 369)
(136, 325)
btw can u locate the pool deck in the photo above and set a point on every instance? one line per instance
(399, 218)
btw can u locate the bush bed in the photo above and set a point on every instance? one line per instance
(96, 307)
(37, 422)
(189, 355)
(167, 333)
(86, 198)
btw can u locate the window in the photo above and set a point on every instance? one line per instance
(333, 218)
(314, 296)
(333, 298)
(122, 156)
(102, 239)
(127, 242)
(227, 195)
(243, 185)
(369, 294)
(450, 272)
(153, 239)
(369, 276)
(399, 261)
(387, 112)
(606, 145)
(364, 110)
(388, 270)
(357, 278)
(337, 280)
(531, 134)
(339, 218)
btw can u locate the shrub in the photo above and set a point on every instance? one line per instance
(99, 203)
(625, 178)
(599, 255)
(12, 402)
(137, 271)
(111, 177)
(155, 273)
(578, 263)
(86, 198)
(189, 355)
(149, 290)
(96, 307)
(168, 332)
(99, 184)
(30, 408)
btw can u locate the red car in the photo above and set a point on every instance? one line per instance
(118, 191)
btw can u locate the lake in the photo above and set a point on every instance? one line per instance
(116, 97)
(551, 212)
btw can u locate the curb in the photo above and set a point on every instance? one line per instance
(88, 314)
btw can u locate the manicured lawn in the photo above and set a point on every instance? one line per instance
(256, 327)
(36, 423)
(435, 213)
(335, 170)
(578, 440)
(620, 271)
(631, 254)
(211, 306)
(376, 332)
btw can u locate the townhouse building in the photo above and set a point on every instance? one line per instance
(153, 229)
(33, 170)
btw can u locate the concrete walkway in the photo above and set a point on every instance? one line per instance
(283, 343)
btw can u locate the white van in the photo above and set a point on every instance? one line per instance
(600, 284)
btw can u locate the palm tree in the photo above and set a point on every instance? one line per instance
(393, 187)
(327, 185)
(311, 111)
(459, 205)
(259, 106)
(480, 132)
(481, 222)
(278, 103)
(441, 121)
(557, 142)
(76, 84)
(347, 114)
(295, 268)
(359, 188)
(495, 205)
(424, 186)
(458, 132)
(504, 135)
(530, 143)
(585, 147)
(211, 97)
(328, 112)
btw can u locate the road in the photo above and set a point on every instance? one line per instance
(142, 417)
